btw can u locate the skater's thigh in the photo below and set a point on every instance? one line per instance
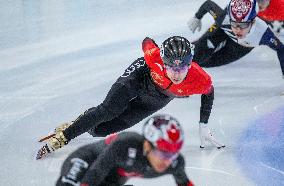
(231, 52)
(136, 112)
(207, 44)
(201, 49)
(126, 120)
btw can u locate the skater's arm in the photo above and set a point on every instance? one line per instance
(206, 106)
(208, 6)
(206, 89)
(271, 40)
(106, 161)
(211, 7)
(179, 173)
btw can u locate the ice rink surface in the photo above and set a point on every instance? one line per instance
(59, 58)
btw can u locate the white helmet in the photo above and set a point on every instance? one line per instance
(164, 132)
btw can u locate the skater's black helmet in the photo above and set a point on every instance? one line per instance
(177, 51)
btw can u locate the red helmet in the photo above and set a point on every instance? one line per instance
(164, 132)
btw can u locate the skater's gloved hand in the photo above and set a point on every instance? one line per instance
(189, 183)
(194, 24)
(205, 134)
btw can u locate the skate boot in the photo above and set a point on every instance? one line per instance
(53, 141)
(205, 134)
(58, 129)
(62, 127)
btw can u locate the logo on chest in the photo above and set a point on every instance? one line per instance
(180, 91)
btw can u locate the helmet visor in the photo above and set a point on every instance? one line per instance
(178, 62)
(179, 65)
(165, 155)
(241, 25)
(179, 69)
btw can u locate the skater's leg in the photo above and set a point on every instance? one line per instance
(136, 112)
(229, 53)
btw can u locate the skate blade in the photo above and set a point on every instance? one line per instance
(46, 137)
(218, 145)
(213, 141)
(223, 146)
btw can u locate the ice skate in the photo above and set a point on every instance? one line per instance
(58, 129)
(53, 141)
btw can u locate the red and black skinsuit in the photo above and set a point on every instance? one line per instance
(111, 162)
(274, 11)
(139, 92)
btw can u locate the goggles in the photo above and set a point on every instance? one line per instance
(241, 25)
(179, 69)
(165, 155)
(179, 65)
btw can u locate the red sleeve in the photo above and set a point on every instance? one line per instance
(151, 54)
(275, 11)
(152, 58)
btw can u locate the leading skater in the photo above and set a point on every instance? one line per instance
(146, 86)
(237, 30)
(111, 162)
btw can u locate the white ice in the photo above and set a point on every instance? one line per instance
(59, 58)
